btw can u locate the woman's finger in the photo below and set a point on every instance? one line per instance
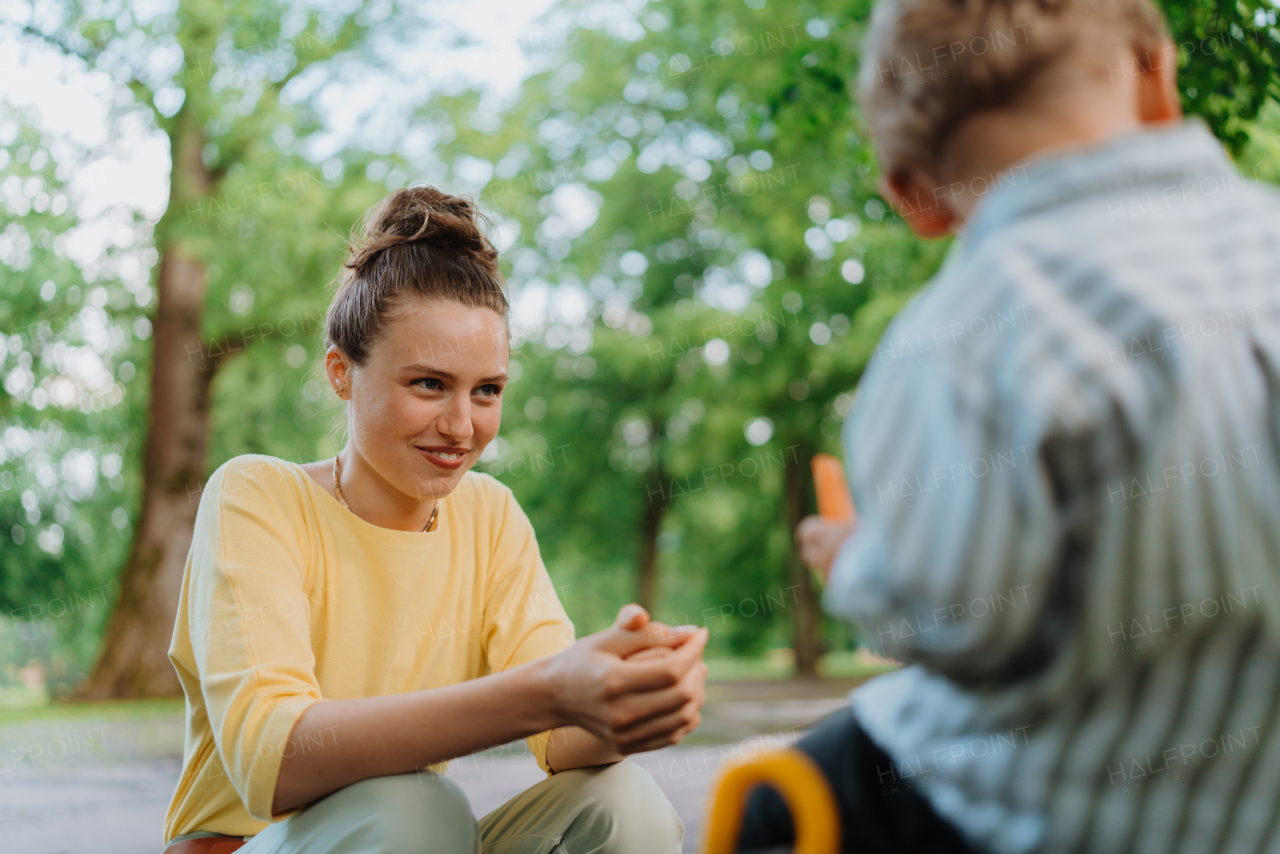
(666, 725)
(646, 679)
(638, 708)
(667, 729)
(650, 653)
(645, 708)
(656, 673)
(622, 641)
(662, 740)
(631, 617)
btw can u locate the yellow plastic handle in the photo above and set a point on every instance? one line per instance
(805, 790)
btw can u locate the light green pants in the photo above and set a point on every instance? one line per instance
(611, 809)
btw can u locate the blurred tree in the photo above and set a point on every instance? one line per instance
(71, 340)
(245, 215)
(1228, 61)
(701, 270)
(696, 187)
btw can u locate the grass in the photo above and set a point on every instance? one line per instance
(764, 669)
(20, 697)
(778, 665)
(24, 704)
(853, 664)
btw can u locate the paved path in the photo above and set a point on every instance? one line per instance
(100, 783)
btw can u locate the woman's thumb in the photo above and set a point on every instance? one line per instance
(632, 617)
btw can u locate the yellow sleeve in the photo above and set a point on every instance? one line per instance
(249, 618)
(523, 617)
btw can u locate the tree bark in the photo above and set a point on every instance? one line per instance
(650, 525)
(134, 660)
(805, 613)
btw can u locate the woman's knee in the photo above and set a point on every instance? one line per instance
(623, 781)
(402, 814)
(636, 805)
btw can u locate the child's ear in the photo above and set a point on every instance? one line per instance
(913, 198)
(1157, 89)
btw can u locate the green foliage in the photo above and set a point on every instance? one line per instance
(264, 221)
(721, 147)
(693, 201)
(719, 139)
(1228, 61)
(71, 346)
(268, 277)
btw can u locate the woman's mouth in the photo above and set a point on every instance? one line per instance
(444, 458)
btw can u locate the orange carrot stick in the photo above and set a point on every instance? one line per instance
(831, 487)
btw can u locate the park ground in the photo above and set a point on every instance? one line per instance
(96, 778)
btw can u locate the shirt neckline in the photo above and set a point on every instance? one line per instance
(365, 527)
(1133, 159)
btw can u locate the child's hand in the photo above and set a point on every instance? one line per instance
(819, 539)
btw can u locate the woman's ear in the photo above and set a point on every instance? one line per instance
(1157, 89)
(335, 367)
(914, 199)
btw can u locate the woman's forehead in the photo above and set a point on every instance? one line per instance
(448, 335)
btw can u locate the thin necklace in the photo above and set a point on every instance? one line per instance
(337, 490)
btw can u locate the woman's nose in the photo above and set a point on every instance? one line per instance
(455, 421)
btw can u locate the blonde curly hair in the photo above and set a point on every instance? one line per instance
(929, 64)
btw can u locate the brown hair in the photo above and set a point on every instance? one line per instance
(929, 64)
(416, 242)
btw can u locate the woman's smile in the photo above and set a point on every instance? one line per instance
(443, 457)
(421, 414)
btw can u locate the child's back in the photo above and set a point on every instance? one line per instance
(1064, 453)
(1065, 467)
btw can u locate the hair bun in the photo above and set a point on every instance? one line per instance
(421, 214)
(417, 242)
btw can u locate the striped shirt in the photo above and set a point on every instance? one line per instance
(1064, 455)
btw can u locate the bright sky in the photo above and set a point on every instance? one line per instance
(126, 171)
(133, 169)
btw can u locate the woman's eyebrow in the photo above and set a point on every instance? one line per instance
(427, 369)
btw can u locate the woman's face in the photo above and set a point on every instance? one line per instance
(428, 399)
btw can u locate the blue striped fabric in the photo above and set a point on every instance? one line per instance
(1065, 460)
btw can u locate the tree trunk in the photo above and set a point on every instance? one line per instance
(135, 660)
(650, 525)
(805, 611)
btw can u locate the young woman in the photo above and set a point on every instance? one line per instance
(345, 623)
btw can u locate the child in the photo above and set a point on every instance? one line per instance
(1063, 456)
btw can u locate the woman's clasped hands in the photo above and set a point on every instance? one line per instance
(638, 685)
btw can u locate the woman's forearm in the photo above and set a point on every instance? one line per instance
(574, 747)
(398, 733)
(632, 705)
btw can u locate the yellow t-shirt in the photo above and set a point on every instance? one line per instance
(289, 598)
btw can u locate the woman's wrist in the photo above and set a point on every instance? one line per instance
(574, 747)
(539, 687)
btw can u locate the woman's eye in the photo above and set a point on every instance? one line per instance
(489, 390)
(430, 383)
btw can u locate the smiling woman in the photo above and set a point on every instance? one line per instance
(347, 622)
(418, 343)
